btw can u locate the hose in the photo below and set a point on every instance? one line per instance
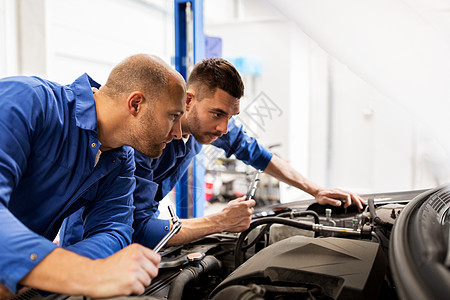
(294, 214)
(255, 240)
(301, 213)
(375, 218)
(376, 237)
(239, 255)
(209, 263)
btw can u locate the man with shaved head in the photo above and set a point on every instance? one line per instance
(63, 147)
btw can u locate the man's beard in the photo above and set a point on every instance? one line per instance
(147, 145)
(152, 152)
(195, 129)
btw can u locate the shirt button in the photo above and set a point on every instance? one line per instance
(33, 256)
(93, 145)
(166, 228)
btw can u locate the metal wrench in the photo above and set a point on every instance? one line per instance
(176, 226)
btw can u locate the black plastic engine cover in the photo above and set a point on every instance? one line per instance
(342, 268)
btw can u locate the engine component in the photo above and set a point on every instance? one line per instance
(351, 269)
(237, 292)
(209, 263)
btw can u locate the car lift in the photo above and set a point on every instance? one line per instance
(189, 49)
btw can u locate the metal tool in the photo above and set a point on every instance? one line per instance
(176, 226)
(253, 185)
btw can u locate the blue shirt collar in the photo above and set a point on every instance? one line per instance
(85, 112)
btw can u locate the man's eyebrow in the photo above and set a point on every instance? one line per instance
(218, 110)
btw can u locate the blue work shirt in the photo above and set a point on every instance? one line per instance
(48, 145)
(155, 178)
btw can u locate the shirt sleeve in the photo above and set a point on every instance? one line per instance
(244, 147)
(20, 248)
(108, 220)
(151, 231)
(148, 229)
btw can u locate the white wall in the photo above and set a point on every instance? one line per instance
(399, 49)
(8, 38)
(62, 39)
(92, 36)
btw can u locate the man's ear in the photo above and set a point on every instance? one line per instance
(190, 95)
(134, 102)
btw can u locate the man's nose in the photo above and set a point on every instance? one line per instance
(176, 129)
(223, 126)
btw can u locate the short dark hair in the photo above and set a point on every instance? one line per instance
(216, 73)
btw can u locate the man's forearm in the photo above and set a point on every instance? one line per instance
(284, 172)
(193, 229)
(281, 170)
(61, 271)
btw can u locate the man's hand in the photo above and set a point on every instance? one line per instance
(337, 196)
(127, 272)
(5, 293)
(236, 216)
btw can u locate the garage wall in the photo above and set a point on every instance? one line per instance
(61, 39)
(94, 35)
(8, 38)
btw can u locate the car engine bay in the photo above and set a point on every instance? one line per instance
(397, 247)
